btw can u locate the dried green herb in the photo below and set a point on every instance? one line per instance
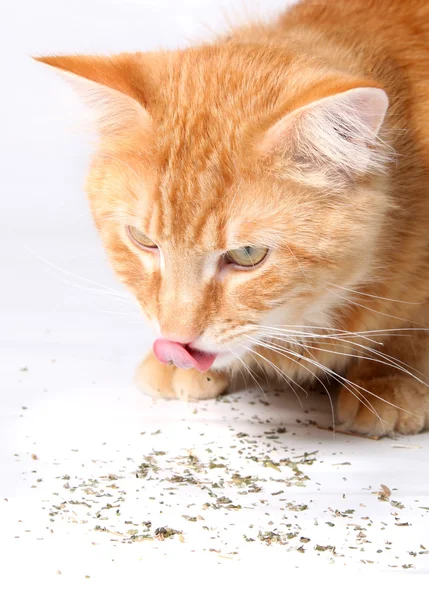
(319, 548)
(162, 533)
(272, 537)
(215, 465)
(223, 500)
(145, 467)
(296, 507)
(384, 494)
(240, 481)
(269, 463)
(183, 479)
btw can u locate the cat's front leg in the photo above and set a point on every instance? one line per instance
(381, 400)
(164, 381)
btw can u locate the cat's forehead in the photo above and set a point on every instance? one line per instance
(217, 78)
(196, 161)
(206, 99)
(202, 113)
(206, 212)
(195, 168)
(191, 209)
(197, 144)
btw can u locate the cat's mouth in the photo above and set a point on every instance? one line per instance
(182, 355)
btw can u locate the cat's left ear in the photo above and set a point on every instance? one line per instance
(112, 88)
(332, 140)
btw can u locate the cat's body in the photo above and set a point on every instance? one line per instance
(277, 137)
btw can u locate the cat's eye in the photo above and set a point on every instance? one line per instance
(247, 256)
(139, 238)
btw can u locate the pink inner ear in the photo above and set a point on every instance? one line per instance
(181, 356)
(334, 138)
(364, 106)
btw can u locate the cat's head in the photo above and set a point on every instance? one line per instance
(234, 187)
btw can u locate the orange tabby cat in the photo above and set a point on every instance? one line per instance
(266, 199)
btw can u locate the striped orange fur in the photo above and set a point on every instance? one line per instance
(308, 136)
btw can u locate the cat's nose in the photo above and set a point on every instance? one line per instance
(184, 340)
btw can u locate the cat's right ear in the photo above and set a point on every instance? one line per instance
(333, 140)
(112, 88)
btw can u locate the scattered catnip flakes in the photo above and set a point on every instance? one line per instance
(163, 533)
(269, 537)
(384, 494)
(160, 497)
(320, 548)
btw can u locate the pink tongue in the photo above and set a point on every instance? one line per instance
(182, 356)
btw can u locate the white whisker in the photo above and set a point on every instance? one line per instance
(285, 377)
(372, 295)
(306, 369)
(378, 312)
(387, 360)
(337, 375)
(61, 270)
(251, 373)
(342, 380)
(312, 334)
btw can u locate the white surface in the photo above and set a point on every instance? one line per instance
(83, 418)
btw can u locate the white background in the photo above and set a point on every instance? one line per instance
(39, 113)
(69, 342)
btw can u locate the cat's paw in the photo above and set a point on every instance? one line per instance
(192, 385)
(154, 378)
(384, 406)
(164, 381)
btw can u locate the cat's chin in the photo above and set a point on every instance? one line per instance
(228, 357)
